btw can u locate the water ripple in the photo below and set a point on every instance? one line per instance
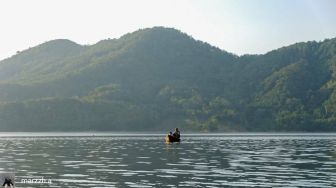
(256, 160)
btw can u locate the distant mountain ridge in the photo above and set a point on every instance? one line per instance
(156, 78)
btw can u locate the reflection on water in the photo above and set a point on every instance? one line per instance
(254, 160)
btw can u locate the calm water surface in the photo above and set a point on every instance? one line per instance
(132, 160)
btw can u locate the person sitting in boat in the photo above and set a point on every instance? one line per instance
(176, 133)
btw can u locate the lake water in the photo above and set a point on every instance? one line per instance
(203, 160)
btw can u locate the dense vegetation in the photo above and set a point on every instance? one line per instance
(159, 78)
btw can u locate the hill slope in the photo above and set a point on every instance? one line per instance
(158, 78)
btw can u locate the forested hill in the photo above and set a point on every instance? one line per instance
(160, 78)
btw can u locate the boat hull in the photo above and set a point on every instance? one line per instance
(170, 138)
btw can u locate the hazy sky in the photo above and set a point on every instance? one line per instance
(238, 26)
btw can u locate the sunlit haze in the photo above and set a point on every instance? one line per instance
(237, 26)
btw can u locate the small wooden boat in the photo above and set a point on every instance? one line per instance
(170, 138)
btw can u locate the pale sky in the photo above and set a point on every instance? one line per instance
(237, 26)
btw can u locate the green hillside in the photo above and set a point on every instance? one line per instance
(159, 78)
